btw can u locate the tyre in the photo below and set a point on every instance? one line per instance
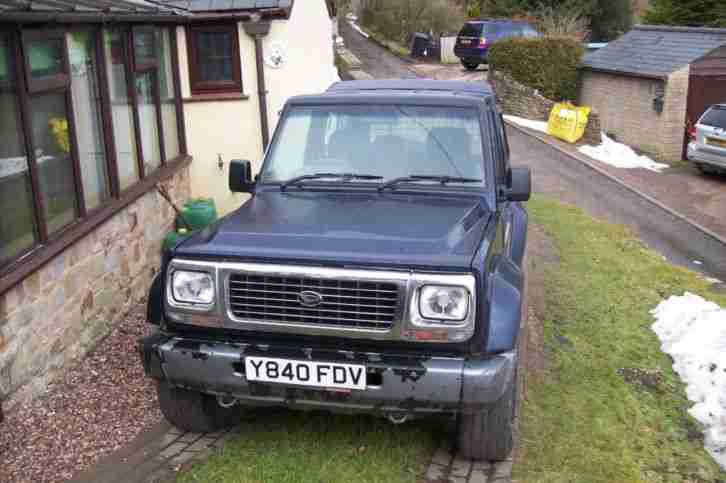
(194, 411)
(703, 168)
(469, 65)
(489, 434)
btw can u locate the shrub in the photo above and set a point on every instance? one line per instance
(548, 64)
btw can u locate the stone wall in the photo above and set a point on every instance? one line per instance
(516, 99)
(53, 317)
(519, 100)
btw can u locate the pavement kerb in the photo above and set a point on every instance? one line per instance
(646, 197)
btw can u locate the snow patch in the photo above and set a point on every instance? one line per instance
(620, 155)
(540, 126)
(692, 331)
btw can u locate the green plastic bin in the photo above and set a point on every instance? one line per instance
(198, 213)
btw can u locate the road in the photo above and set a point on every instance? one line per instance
(566, 179)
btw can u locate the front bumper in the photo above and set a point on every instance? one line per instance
(397, 384)
(702, 156)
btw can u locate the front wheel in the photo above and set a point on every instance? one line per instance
(489, 434)
(194, 411)
(469, 65)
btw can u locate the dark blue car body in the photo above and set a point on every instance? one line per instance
(475, 38)
(436, 230)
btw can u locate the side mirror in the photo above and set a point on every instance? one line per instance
(240, 176)
(520, 184)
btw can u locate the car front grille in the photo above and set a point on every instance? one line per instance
(343, 303)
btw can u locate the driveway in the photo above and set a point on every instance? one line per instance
(561, 177)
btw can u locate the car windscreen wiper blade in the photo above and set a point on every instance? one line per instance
(415, 178)
(340, 176)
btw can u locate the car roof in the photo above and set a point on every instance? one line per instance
(422, 87)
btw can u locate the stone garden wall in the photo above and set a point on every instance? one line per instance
(516, 99)
(53, 317)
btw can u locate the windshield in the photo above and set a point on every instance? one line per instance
(388, 141)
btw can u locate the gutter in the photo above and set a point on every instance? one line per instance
(36, 16)
(637, 75)
(88, 17)
(258, 31)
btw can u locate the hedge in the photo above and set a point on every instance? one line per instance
(548, 64)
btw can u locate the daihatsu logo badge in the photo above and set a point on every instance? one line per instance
(309, 298)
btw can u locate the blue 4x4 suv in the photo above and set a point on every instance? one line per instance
(475, 38)
(378, 267)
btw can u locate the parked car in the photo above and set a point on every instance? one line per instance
(707, 148)
(378, 267)
(475, 38)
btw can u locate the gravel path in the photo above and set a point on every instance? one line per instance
(98, 407)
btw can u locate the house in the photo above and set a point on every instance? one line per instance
(239, 62)
(649, 84)
(100, 102)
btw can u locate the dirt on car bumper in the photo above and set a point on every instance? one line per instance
(396, 383)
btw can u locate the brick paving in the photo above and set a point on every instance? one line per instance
(447, 467)
(156, 456)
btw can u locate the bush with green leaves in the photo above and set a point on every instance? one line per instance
(548, 64)
(689, 13)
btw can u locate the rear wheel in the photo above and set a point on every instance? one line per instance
(703, 168)
(469, 65)
(194, 411)
(489, 434)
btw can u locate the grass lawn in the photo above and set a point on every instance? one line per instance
(301, 447)
(582, 422)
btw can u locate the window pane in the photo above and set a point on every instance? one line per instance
(45, 57)
(148, 121)
(214, 55)
(123, 120)
(87, 110)
(145, 41)
(55, 168)
(168, 96)
(17, 225)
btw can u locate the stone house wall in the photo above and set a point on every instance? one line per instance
(53, 317)
(625, 105)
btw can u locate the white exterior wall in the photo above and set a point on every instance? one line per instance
(232, 128)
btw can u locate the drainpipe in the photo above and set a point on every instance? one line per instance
(258, 30)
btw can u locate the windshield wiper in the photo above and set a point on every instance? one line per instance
(340, 176)
(415, 178)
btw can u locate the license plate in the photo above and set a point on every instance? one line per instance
(465, 42)
(716, 142)
(305, 373)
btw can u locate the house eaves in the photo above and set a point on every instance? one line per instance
(95, 11)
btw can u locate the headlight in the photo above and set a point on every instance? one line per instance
(444, 303)
(192, 287)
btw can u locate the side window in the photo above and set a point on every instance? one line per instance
(214, 59)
